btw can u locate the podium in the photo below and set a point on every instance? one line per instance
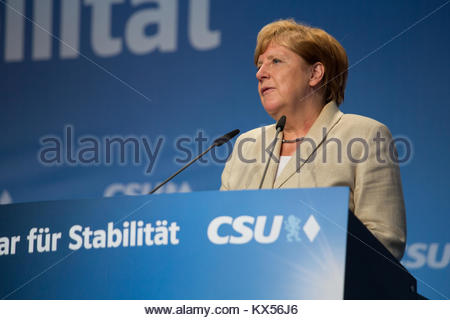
(266, 244)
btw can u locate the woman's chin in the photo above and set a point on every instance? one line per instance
(272, 110)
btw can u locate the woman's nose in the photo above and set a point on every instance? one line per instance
(262, 72)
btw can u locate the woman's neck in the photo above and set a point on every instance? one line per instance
(298, 124)
(301, 120)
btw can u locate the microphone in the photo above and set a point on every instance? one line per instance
(218, 142)
(280, 127)
(281, 123)
(225, 138)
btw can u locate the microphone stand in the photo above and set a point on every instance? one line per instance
(218, 142)
(280, 127)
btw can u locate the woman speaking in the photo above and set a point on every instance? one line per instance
(301, 73)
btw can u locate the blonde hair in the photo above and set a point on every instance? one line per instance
(313, 45)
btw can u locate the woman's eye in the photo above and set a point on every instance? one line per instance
(275, 60)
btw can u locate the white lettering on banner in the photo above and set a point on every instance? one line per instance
(132, 234)
(8, 245)
(103, 44)
(5, 197)
(199, 34)
(164, 16)
(166, 19)
(70, 29)
(42, 29)
(243, 226)
(136, 188)
(45, 241)
(14, 30)
(420, 255)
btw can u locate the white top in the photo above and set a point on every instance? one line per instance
(283, 162)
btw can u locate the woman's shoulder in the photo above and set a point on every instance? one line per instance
(359, 120)
(358, 123)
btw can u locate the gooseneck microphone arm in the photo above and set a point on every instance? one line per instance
(280, 127)
(218, 142)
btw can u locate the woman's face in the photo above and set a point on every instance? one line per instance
(283, 80)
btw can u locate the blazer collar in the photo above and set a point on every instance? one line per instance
(328, 118)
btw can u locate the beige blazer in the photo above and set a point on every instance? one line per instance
(339, 150)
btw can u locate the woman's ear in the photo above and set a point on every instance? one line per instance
(317, 74)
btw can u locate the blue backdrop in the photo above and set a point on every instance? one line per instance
(168, 74)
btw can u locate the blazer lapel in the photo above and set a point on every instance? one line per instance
(327, 119)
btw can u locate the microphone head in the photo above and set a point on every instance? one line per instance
(227, 137)
(281, 123)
